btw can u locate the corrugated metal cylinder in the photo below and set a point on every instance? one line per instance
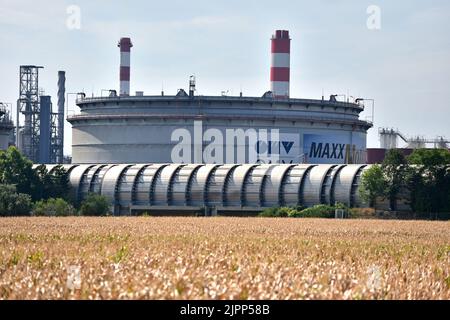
(246, 187)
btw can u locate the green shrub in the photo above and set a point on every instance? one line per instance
(318, 211)
(281, 212)
(95, 205)
(13, 203)
(268, 213)
(54, 207)
(17, 170)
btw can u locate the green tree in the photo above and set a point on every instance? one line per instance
(373, 185)
(94, 205)
(394, 169)
(53, 207)
(54, 185)
(13, 203)
(17, 170)
(430, 157)
(317, 211)
(429, 181)
(61, 186)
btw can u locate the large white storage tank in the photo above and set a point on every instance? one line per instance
(201, 129)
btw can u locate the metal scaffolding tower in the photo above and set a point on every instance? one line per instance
(28, 105)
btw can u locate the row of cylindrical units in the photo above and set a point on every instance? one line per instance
(228, 187)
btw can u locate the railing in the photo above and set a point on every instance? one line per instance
(214, 116)
(224, 99)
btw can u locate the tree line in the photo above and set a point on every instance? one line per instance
(25, 190)
(422, 179)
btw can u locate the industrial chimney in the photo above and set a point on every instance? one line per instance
(280, 68)
(61, 103)
(125, 46)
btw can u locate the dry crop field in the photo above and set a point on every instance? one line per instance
(223, 258)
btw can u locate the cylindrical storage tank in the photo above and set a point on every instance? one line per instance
(76, 180)
(199, 184)
(5, 132)
(168, 187)
(313, 185)
(45, 129)
(97, 179)
(164, 129)
(253, 192)
(69, 167)
(144, 183)
(162, 185)
(272, 187)
(180, 184)
(292, 185)
(328, 185)
(87, 183)
(126, 185)
(217, 183)
(110, 183)
(343, 187)
(235, 185)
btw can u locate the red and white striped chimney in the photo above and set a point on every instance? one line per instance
(125, 46)
(280, 68)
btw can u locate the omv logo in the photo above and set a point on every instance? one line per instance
(274, 147)
(287, 145)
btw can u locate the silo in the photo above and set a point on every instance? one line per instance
(6, 126)
(45, 129)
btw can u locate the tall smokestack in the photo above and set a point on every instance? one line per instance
(61, 103)
(125, 46)
(280, 68)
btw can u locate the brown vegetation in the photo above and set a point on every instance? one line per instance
(223, 258)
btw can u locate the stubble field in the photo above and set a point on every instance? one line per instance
(223, 258)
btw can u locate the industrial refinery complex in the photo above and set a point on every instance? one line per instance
(186, 128)
(188, 152)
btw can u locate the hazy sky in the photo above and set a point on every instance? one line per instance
(404, 66)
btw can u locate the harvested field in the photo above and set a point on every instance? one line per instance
(223, 258)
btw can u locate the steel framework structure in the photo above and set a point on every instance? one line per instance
(28, 105)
